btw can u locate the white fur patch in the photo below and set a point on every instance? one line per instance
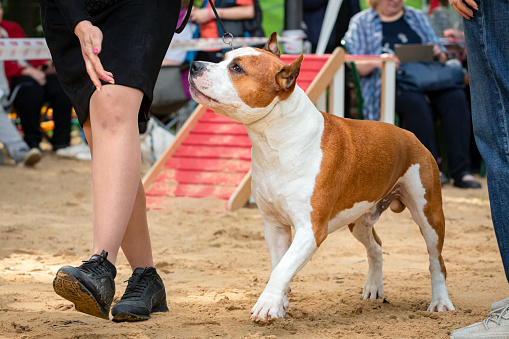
(350, 215)
(286, 159)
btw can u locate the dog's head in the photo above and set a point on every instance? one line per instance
(246, 84)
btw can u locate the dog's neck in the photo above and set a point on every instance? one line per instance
(291, 125)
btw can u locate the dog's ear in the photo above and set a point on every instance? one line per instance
(287, 76)
(272, 45)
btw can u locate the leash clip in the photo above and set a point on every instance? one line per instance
(228, 39)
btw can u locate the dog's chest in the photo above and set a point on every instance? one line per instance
(285, 191)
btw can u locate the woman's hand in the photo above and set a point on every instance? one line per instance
(35, 74)
(50, 68)
(454, 35)
(91, 39)
(201, 15)
(438, 54)
(462, 9)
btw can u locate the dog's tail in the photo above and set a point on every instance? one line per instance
(397, 206)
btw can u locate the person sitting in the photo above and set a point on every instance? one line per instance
(16, 147)
(232, 10)
(374, 31)
(39, 84)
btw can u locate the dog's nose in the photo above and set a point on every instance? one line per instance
(197, 68)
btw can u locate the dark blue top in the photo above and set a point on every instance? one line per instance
(398, 32)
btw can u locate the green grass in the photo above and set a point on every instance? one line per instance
(273, 16)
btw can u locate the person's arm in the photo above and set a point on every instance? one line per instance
(236, 13)
(203, 15)
(366, 67)
(73, 11)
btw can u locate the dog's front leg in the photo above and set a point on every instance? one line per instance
(270, 303)
(278, 238)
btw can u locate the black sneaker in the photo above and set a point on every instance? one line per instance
(144, 294)
(90, 287)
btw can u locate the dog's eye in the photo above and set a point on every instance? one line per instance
(236, 68)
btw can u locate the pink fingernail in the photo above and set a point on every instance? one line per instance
(104, 78)
(95, 51)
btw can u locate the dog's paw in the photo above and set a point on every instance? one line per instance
(373, 289)
(440, 305)
(269, 306)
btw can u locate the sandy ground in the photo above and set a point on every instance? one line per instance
(215, 266)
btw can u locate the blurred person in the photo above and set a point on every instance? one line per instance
(375, 31)
(39, 84)
(108, 55)
(230, 10)
(313, 15)
(17, 148)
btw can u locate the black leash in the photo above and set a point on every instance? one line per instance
(227, 36)
(186, 19)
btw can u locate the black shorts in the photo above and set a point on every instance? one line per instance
(136, 36)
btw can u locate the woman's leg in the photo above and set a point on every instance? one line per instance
(62, 109)
(28, 104)
(136, 243)
(452, 107)
(417, 117)
(118, 203)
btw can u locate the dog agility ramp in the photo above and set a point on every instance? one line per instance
(211, 155)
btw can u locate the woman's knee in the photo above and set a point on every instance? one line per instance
(115, 107)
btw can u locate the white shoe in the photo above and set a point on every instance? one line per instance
(32, 157)
(72, 151)
(495, 326)
(84, 156)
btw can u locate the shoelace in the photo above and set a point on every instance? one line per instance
(94, 266)
(136, 285)
(496, 316)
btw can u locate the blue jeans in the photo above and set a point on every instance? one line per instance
(487, 35)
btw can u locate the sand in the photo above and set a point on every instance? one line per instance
(215, 265)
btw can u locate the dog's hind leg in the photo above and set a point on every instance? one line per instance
(423, 196)
(367, 236)
(278, 238)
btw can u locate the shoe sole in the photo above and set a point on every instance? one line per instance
(68, 287)
(132, 317)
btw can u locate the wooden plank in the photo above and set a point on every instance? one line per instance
(217, 140)
(215, 152)
(204, 191)
(382, 94)
(179, 138)
(241, 195)
(210, 116)
(201, 177)
(215, 165)
(324, 78)
(216, 128)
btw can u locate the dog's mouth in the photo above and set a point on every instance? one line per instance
(199, 95)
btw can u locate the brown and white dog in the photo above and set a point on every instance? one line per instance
(318, 173)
